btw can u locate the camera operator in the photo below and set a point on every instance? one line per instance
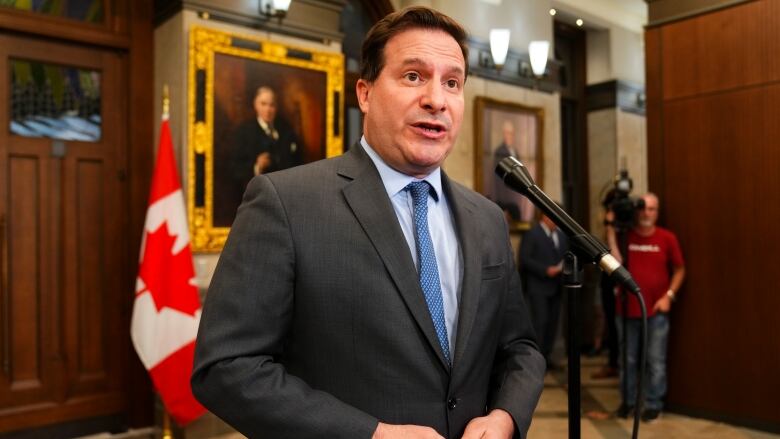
(656, 263)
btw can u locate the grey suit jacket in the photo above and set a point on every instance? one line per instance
(315, 324)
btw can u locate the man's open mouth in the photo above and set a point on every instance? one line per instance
(430, 127)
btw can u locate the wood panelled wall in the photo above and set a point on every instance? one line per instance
(713, 110)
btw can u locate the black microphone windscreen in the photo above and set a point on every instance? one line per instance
(514, 174)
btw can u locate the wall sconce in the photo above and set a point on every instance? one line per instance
(274, 9)
(538, 51)
(499, 46)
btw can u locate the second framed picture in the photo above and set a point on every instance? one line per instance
(505, 129)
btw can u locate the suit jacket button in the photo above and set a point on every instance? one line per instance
(452, 403)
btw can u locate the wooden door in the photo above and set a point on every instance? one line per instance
(63, 198)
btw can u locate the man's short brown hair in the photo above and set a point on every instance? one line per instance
(414, 17)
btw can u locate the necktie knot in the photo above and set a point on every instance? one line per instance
(419, 191)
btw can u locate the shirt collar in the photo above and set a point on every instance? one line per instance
(395, 181)
(265, 126)
(546, 229)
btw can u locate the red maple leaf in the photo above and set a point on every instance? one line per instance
(167, 275)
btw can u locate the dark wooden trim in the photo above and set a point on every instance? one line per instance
(377, 9)
(516, 69)
(574, 92)
(112, 34)
(140, 160)
(683, 10)
(165, 9)
(620, 94)
(315, 20)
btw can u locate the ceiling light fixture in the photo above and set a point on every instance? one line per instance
(274, 8)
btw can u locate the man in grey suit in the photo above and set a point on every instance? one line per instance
(369, 296)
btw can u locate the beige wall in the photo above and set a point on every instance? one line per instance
(615, 29)
(528, 20)
(602, 162)
(627, 53)
(628, 14)
(632, 148)
(598, 58)
(615, 53)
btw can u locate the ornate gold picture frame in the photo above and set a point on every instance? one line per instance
(232, 79)
(503, 129)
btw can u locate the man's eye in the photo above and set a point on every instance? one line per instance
(452, 83)
(412, 76)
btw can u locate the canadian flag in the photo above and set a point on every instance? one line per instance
(167, 308)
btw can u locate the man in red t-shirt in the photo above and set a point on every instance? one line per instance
(656, 263)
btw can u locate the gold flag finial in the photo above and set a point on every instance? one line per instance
(167, 431)
(166, 102)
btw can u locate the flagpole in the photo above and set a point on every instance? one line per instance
(167, 433)
(166, 346)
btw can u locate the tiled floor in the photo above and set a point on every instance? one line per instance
(600, 398)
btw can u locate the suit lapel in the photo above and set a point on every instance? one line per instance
(366, 196)
(468, 237)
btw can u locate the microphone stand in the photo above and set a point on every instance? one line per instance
(515, 175)
(572, 285)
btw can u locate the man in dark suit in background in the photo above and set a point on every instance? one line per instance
(369, 295)
(265, 143)
(541, 260)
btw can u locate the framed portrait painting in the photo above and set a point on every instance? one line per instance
(506, 129)
(255, 106)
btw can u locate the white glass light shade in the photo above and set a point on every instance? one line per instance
(499, 45)
(281, 5)
(538, 51)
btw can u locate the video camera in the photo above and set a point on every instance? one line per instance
(618, 201)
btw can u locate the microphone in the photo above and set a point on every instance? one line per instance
(517, 177)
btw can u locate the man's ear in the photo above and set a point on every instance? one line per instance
(362, 90)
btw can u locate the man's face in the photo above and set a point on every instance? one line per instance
(548, 222)
(413, 110)
(265, 106)
(649, 215)
(509, 134)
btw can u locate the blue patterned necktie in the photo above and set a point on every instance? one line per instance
(426, 260)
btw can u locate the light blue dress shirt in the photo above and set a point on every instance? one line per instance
(441, 227)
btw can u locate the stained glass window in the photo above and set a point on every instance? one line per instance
(90, 11)
(59, 102)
